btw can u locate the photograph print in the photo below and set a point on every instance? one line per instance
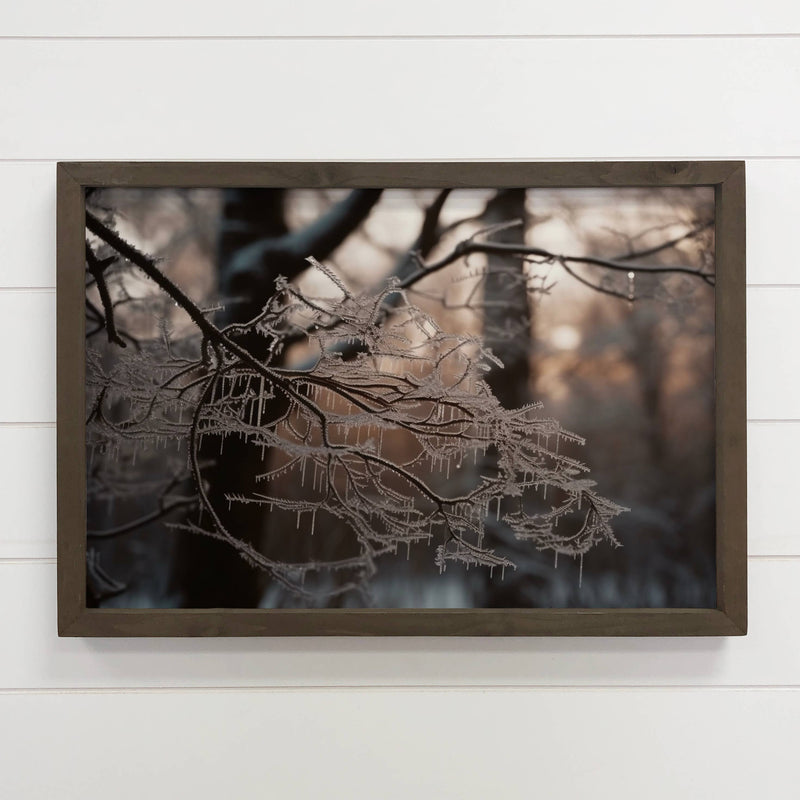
(310, 398)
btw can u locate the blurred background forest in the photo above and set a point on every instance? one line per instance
(624, 359)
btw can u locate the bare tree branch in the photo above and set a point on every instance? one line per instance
(412, 380)
(96, 268)
(474, 245)
(286, 255)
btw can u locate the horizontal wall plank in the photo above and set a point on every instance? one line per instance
(27, 224)
(397, 745)
(27, 330)
(773, 357)
(28, 478)
(414, 17)
(772, 453)
(34, 658)
(27, 227)
(773, 208)
(28, 393)
(28, 510)
(595, 98)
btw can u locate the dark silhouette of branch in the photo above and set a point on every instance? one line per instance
(474, 245)
(99, 584)
(163, 510)
(96, 268)
(150, 268)
(286, 255)
(690, 234)
(595, 286)
(96, 316)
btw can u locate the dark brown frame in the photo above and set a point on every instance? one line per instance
(730, 616)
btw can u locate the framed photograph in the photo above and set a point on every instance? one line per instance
(401, 399)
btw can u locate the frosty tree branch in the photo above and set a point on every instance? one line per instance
(539, 255)
(411, 382)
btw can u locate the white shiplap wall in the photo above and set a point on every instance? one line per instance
(396, 718)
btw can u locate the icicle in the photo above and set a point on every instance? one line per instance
(298, 519)
(498, 508)
(580, 572)
(631, 288)
(555, 560)
(313, 520)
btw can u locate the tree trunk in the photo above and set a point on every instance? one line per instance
(208, 573)
(507, 317)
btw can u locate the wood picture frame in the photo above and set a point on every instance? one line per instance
(729, 617)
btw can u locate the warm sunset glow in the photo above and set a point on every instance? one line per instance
(565, 337)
